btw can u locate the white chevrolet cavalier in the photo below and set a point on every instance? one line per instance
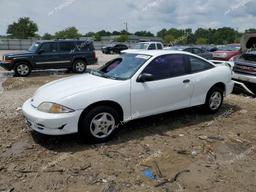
(132, 86)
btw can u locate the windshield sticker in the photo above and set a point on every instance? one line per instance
(146, 57)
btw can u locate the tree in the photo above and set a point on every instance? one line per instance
(97, 37)
(90, 34)
(169, 39)
(116, 33)
(251, 30)
(121, 38)
(104, 33)
(47, 36)
(144, 33)
(201, 41)
(68, 33)
(23, 29)
(161, 33)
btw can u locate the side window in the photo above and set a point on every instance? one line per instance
(152, 46)
(167, 66)
(159, 46)
(67, 46)
(198, 65)
(49, 47)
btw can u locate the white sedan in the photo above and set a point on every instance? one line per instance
(132, 86)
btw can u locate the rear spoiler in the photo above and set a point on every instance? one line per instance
(227, 63)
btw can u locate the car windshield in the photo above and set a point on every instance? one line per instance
(122, 68)
(33, 47)
(141, 45)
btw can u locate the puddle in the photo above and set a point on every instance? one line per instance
(17, 149)
(8, 74)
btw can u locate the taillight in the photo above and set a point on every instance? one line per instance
(94, 55)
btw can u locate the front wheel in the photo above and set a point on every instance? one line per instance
(79, 66)
(214, 100)
(22, 69)
(99, 124)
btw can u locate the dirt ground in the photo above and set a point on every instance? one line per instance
(194, 151)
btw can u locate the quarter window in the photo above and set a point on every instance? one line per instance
(198, 65)
(84, 46)
(166, 66)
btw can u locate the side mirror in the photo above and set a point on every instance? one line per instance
(41, 51)
(144, 77)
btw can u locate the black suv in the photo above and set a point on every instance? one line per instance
(72, 54)
(114, 48)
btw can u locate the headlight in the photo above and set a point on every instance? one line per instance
(49, 107)
(7, 59)
(224, 55)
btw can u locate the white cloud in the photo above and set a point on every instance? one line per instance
(153, 15)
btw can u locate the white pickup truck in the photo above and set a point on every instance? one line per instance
(152, 45)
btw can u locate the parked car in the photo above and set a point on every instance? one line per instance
(129, 87)
(245, 65)
(227, 52)
(198, 51)
(149, 46)
(110, 49)
(72, 54)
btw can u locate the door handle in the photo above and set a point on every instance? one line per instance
(186, 81)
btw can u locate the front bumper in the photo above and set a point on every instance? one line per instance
(245, 83)
(7, 66)
(48, 123)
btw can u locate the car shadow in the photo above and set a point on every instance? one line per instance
(137, 129)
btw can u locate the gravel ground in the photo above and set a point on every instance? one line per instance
(194, 151)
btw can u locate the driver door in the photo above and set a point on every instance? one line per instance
(47, 56)
(170, 88)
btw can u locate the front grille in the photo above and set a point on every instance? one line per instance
(245, 69)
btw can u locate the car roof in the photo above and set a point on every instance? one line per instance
(150, 42)
(155, 52)
(63, 40)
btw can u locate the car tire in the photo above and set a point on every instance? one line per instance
(214, 100)
(99, 124)
(79, 66)
(22, 69)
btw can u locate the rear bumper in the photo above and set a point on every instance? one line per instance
(92, 61)
(7, 66)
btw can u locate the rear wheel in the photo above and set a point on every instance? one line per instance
(99, 124)
(79, 66)
(214, 100)
(22, 69)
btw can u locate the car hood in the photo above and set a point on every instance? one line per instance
(59, 90)
(228, 52)
(248, 41)
(18, 54)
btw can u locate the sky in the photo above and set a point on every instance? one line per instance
(151, 15)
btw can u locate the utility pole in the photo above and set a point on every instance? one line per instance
(126, 26)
